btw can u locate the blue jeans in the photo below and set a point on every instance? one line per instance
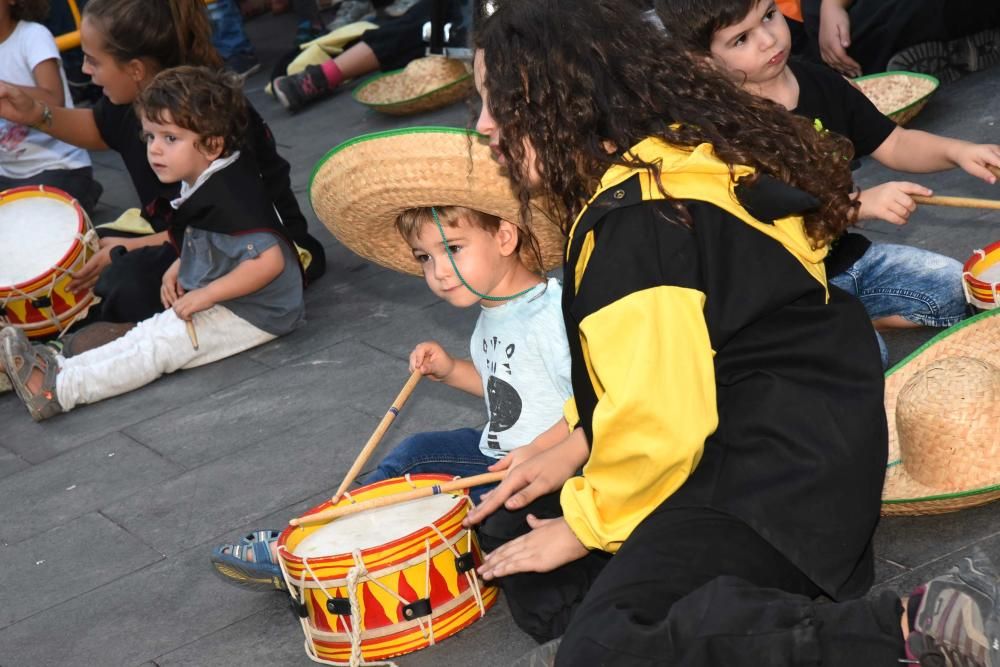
(228, 36)
(446, 452)
(918, 285)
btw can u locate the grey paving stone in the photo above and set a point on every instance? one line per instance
(886, 570)
(40, 441)
(64, 563)
(11, 463)
(451, 327)
(914, 541)
(78, 482)
(312, 389)
(273, 473)
(133, 619)
(943, 561)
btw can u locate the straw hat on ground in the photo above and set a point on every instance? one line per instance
(943, 408)
(360, 187)
(426, 83)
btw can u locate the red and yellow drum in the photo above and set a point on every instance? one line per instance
(386, 581)
(981, 274)
(45, 237)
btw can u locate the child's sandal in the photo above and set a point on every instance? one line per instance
(20, 359)
(262, 573)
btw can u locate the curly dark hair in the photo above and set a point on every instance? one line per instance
(30, 10)
(206, 101)
(572, 78)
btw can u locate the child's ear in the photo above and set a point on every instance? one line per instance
(508, 235)
(212, 147)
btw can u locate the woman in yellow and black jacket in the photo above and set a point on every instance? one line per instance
(727, 436)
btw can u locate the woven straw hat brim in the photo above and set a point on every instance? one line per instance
(360, 187)
(977, 337)
(388, 94)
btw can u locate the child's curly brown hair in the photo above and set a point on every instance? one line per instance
(206, 101)
(30, 10)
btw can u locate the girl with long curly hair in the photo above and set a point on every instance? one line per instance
(726, 399)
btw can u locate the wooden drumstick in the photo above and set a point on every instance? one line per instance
(958, 202)
(383, 426)
(994, 170)
(192, 334)
(423, 492)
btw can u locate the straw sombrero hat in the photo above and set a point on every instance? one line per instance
(360, 187)
(943, 408)
(426, 83)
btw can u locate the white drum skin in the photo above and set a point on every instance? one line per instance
(35, 234)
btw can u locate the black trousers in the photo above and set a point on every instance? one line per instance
(399, 41)
(691, 587)
(882, 28)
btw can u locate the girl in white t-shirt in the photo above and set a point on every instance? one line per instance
(30, 60)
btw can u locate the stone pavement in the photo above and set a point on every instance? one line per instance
(108, 514)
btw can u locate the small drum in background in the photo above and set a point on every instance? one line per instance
(45, 237)
(385, 581)
(981, 277)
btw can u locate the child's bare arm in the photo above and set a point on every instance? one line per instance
(545, 440)
(434, 362)
(48, 83)
(923, 152)
(248, 277)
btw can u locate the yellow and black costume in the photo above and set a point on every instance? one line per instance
(733, 403)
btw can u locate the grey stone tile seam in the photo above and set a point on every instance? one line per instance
(946, 557)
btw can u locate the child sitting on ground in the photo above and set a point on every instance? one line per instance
(237, 283)
(520, 358)
(900, 286)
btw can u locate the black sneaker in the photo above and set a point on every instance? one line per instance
(957, 617)
(950, 60)
(243, 64)
(297, 90)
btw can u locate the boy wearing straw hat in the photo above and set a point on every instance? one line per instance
(237, 283)
(431, 202)
(900, 286)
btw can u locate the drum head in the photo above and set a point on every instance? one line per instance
(36, 233)
(375, 527)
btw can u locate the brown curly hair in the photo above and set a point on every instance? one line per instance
(30, 10)
(572, 77)
(206, 101)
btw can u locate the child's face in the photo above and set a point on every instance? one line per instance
(755, 50)
(174, 153)
(121, 83)
(477, 253)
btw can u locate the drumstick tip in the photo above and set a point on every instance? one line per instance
(192, 334)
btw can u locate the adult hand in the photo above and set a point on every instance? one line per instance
(17, 106)
(835, 38)
(976, 159)
(539, 475)
(890, 201)
(193, 302)
(87, 276)
(432, 361)
(550, 544)
(170, 288)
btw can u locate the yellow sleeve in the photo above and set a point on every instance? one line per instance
(570, 413)
(651, 362)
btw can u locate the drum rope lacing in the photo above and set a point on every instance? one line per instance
(89, 239)
(355, 574)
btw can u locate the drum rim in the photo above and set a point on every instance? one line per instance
(285, 553)
(52, 193)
